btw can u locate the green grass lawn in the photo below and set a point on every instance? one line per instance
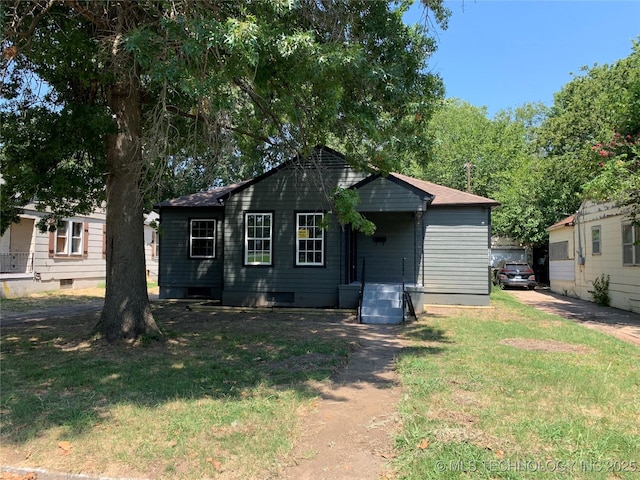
(504, 392)
(511, 392)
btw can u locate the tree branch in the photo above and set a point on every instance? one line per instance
(17, 20)
(194, 116)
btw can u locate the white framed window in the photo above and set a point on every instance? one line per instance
(596, 240)
(630, 244)
(202, 238)
(69, 238)
(258, 239)
(309, 239)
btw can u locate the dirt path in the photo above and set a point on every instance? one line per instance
(349, 433)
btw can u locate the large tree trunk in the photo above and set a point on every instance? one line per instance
(126, 313)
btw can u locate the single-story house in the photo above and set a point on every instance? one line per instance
(71, 257)
(274, 241)
(599, 239)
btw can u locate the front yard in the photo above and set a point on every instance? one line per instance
(504, 392)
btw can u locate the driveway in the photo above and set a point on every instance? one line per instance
(619, 323)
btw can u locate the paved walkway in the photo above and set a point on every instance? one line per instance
(619, 323)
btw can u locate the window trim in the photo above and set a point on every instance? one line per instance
(633, 244)
(192, 238)
(68, 251)
(594, 229)
(323, 249)
(246, 238)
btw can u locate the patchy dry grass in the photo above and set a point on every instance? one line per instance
(220, 397)
(510, 392)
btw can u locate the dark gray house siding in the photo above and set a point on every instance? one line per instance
(180, 275)
(284, 194)
(433, 238)
(456, 255)
(393, 242)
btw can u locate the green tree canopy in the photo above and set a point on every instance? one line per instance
(597, 112)
(103, 94)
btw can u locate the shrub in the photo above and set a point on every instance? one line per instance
(600, 292)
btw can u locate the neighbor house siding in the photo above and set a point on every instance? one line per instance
(181, 276)
(576, 275)
(624, 286)
(76, 267)
(456, 256)
(53, 271)
(562, 270)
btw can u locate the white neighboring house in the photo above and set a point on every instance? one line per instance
(151, 245)
(71, 257)
(598, 239)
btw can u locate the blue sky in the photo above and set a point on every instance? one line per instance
(502, 54)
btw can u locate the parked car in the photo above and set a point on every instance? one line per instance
(515, 274)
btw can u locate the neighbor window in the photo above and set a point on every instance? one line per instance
(258, 234)
(595, 240)
(631, 244)
(309, 239)
(69, 238)
(559, 251)
(202, 238)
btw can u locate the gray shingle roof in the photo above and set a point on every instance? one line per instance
(442, 195)
(445, 195)
(210, 198)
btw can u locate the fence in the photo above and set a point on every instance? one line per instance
(21, 262)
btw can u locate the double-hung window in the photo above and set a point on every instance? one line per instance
(309, 239)
(630, 244)
(69, 238)
(596, 240)
(202, 238)
(258, 239)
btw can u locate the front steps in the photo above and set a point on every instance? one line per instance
(382, 304)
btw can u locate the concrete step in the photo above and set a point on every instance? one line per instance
(382, 304)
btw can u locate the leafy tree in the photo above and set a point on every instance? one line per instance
(106, 95)
(584, 147)
(598, 111)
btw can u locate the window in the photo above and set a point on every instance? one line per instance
(69, 238)
(595, 240)
(631, 244)
(559, 251)
(258, 233)
(309, 239)
(202, 239)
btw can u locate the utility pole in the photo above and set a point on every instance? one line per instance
(468, 166)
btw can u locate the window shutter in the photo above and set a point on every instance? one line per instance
(52, 244)
(85, 240)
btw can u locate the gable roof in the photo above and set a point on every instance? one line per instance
(211, 198)
(438, 195)
(444, 196)
(565, 222)
(217, 196)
